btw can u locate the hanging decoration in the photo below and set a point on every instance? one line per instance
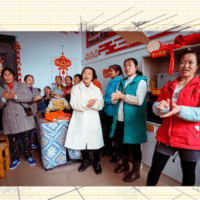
(105, 73)
(157, 49)
(63, 63)
(1, 65)
(18, 49)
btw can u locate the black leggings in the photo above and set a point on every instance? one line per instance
(158, 163)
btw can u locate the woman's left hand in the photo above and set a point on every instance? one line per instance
(175, 110)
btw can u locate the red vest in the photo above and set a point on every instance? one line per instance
(175, 131)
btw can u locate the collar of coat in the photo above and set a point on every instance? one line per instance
(123, 82)
(82, 85)
(15, 85)
(194, 81)
(118, 78)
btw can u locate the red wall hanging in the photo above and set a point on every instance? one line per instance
(157, 49)
(105, 73)
(1, 65)
(18, 49)
(63, 63)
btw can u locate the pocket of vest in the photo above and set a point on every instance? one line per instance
(193, 134)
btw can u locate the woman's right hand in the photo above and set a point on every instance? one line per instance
(163, 104)
(8, 95)
(5, 94)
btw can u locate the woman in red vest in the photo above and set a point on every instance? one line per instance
(178, 105)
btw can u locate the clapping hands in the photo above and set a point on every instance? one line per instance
(117, 95)
(165, 104)
(91, 102)
(9, 95)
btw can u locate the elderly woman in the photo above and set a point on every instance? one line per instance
(36, 98)
(178, 105)
(14, 96)
(84, 132)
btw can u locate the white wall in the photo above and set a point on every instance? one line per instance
(40, 49)
(104, 61)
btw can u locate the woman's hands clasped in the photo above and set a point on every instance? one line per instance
(117, 95)
(165, 104)
(91, 102)
(9, 95)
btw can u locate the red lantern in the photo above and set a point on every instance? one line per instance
(63, 63)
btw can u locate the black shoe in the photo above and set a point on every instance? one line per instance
(106, 153)
(115, 159)
(97, 168)
(84, 166)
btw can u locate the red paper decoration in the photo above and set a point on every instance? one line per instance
(63, 63)
(1, 61)
(18, 48)
(105, 73)
(92, 54)
(157, 49)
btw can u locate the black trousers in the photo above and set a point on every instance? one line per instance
(107, 140)
(125, 148)
(96, 155)
(158, 163)
(14, 144)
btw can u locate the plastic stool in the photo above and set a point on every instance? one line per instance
(4, 146)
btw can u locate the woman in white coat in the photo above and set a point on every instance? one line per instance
(85, 132)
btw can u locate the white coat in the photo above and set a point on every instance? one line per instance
(84, 131)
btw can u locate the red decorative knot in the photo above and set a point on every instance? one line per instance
(18, 69)
(87, 56)
(95, 53)
(62, 63)
(17, 46)
(19, 75)
(91, 55)
(1, 60)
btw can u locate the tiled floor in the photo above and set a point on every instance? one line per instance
(67, 175)
(79, 184)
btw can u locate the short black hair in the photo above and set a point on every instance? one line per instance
(39, 89)
(59, 77)
(7, 69)
(28, 76)
(93, 70)
(78, 75)
(69, 77)
(48, 87)
(136, 64)
(117, 68)
(190, 51)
